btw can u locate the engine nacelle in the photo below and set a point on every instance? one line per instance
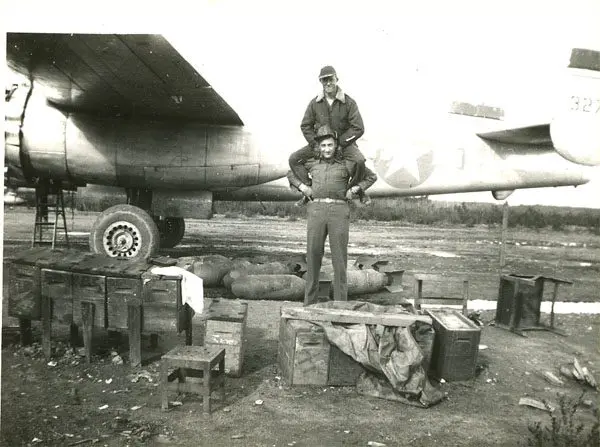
(575, 128)
(502, 194)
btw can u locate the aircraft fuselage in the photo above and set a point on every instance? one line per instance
(139, 152)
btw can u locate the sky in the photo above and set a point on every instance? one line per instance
(402, 62)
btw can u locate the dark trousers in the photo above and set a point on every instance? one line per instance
(333, 220)
(350, 153)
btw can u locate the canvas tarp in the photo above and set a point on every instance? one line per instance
(395, 358)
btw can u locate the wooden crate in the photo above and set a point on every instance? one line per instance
(455, 347)
(306, 357)
(57, 285)
(90, 289)
(226, 328)
(121, 293)
(162, 308)
(24, 299)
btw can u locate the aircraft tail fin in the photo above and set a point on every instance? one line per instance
(575, 128)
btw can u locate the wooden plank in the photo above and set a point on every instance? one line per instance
(311, 359)
(440, 300)
(24, 298)
(87, 315)
(351, 316)
(226, 310)
(284, 350)
(188, 314)
(234, 358)
(220, 329)
(46, 326)
(73, 334)
(157, 320)
(343, 369)
(58, 286)
(25, 330)
(121, 293)
(134, 317)
(161, 298)
(91, 289)
(164, 385)
(433, 277)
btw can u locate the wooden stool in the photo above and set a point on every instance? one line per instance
(194, 371)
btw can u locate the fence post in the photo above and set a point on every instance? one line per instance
(503, 238)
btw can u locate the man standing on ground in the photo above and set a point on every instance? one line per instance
(329, 211)
(339, 111)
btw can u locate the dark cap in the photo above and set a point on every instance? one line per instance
(326, 71)
(325, 132)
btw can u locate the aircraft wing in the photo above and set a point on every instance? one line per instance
(108, 74)
(530, 135)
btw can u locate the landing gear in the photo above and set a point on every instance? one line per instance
(124, 231)
(171, 230)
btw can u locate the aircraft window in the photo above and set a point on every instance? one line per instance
(477, 110)
(586, 59)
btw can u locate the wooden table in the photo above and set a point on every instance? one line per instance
(81, 288)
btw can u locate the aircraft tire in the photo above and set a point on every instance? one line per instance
(171, 230)
(124, 231)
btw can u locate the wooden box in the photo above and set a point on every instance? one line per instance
(24, 299)
(519, 300)
(57, 285)
(91, 289)
(162, 309)
(226, 328)
(455, 347)
(306, 357)
(121, 293)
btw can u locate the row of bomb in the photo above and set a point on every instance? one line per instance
(260, 279)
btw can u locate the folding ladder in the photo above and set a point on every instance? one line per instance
(49, 214)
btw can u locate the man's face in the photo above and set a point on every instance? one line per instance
(327, 147)
(329, 84)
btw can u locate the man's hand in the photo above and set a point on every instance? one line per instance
(306, 190)
(352, 193)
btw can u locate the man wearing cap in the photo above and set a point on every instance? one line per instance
(328, 211)
(336, 109)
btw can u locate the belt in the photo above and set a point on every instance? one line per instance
(327, 200)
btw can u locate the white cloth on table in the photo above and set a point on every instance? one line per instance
(192, 287)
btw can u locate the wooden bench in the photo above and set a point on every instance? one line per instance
(447, 291)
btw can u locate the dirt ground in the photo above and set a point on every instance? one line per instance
(72, 403)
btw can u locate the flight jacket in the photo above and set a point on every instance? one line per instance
(342, 116)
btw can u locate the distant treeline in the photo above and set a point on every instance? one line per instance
(423, 211)
(409, 211)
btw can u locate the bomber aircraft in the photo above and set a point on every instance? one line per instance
(130, 111)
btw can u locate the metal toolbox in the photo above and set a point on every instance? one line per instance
(455, 347)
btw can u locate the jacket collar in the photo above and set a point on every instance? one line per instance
(337, 158)
(340, 96)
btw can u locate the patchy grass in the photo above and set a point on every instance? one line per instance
(565, 428)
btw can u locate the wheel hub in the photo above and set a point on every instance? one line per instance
(122, 239)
